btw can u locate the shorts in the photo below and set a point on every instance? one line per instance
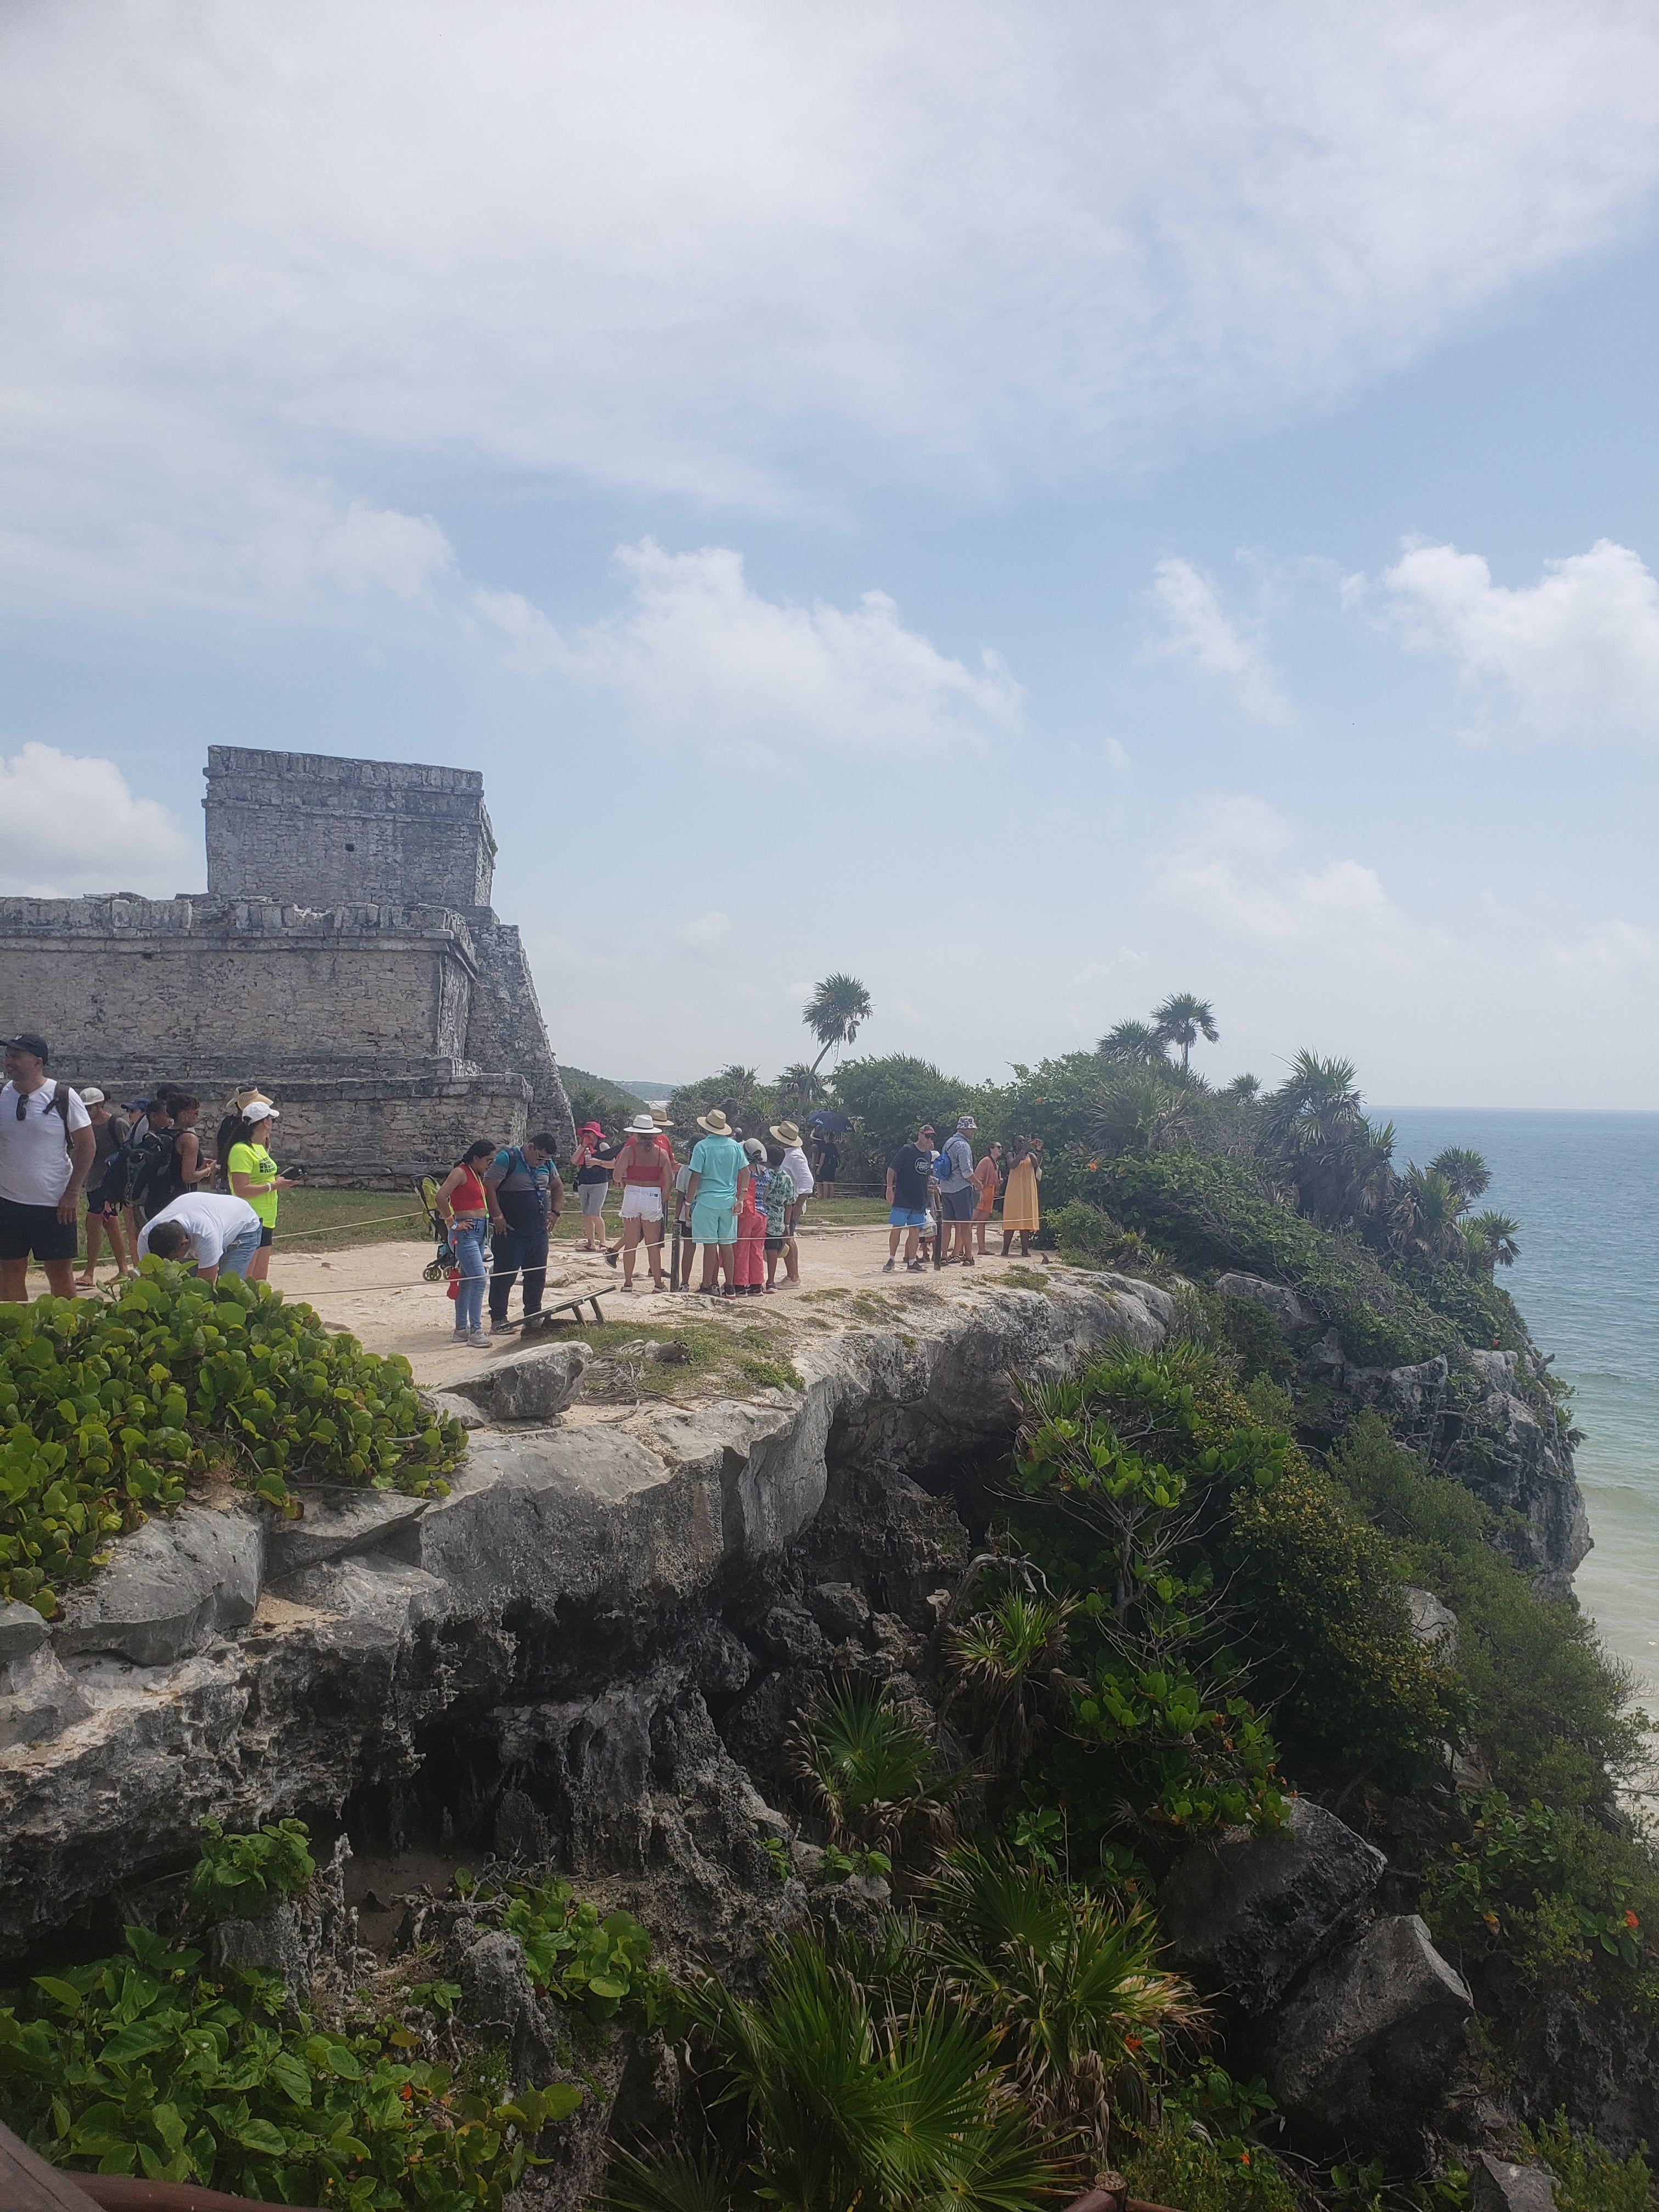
(36, 1230)
(267, 1237)
(958, 1205)
(98, 1204)
(775, 1244)
(711, 1224)
(592, 1196)
(906, 1217)
(641, 1201)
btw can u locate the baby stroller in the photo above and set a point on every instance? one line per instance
(443, 1262)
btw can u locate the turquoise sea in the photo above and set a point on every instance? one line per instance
(1585, 1190)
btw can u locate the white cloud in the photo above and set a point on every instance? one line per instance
(1198, 627)
(1575, 655)
(699, 651)
(706, 934)
(1234, 871)
(1609, 952)
(69, 825)
(736, 253)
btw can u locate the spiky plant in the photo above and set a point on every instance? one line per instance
(849, 2106)
(1006, 1658)
(1491, 1241)
(1069, 1988)
(1182, 1019)
(868, 1768)
(1462, 1167)
(837, 1009)
(1132, 1044)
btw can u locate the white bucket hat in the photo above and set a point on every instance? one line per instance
(642, 1126)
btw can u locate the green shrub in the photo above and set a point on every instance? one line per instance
(237, 1876)
(145, 2065)
(1551, 1711)
(105, 1408)
(1175, 2166)
(1087, 1238)
(1586, 2177)
(601, 1964)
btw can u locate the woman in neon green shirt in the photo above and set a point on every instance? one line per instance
(252, 1173)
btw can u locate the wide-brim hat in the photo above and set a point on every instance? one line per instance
(642, 1126)
(253, 1106)
(786, 1133)
(590, 1128)
(715, 1122)
(660, 1116)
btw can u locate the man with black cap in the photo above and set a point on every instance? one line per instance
(46, 1147)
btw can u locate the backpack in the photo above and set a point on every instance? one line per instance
(149, 1173)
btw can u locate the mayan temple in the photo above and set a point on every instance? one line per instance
(345, 955)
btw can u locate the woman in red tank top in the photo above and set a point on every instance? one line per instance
(645, 1171)
(465, 1209)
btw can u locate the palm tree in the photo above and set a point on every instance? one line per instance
(1132, 1044)
(1008, 1659)
(799, 1086)
(1424, 1219)
(1314, 1125)
(834, 1012)
(1463, 1168)
(1490, 1242)
(1247, 1089)
(1182, 1019)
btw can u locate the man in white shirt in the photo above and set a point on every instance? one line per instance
(794, 1165)
(958, 1191)
(203, 1226)
(46, 1146)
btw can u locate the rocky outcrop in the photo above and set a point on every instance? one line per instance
(1363, 2053)
(1247, 1913)
(228, 1664)
(1277, 1299)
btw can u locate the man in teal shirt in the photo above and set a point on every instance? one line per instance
(720, 1168)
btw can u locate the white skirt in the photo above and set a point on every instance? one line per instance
(642, 1202)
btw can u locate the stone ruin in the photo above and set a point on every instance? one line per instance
(345, 958)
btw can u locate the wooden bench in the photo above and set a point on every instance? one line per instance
(573, 1306)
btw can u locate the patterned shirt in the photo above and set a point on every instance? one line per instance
(780, 1197)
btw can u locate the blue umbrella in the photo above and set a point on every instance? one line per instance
(827, 1123)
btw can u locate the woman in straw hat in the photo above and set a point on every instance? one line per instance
(645, 1171)
(719, 1174)
(250, 1172)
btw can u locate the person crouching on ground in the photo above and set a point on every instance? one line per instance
(794, 1160)
(645, 1169)
(908, 1174)
(110, 1131)
(244, 1137)
(592, 1163)
(208, 1226)
(46, 1148)
(526, 1198)
(720, 1168)
(463, 1209)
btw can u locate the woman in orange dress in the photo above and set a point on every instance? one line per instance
(1021, 1211)
(988, 1176)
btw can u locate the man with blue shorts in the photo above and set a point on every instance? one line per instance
(908, 1174)
(719, 1167)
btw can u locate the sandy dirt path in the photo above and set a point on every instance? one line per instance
(375, 1290)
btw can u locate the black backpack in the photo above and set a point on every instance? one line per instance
(148, 1166)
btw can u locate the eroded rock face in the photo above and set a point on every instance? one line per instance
(1246, 1914)
(562, 1555)
(1365, 2049)
(530, 1386)
(1277, 1299)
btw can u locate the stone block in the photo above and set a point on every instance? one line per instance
(171, 1587)
(1248, 1912)
(1497, 2185)
(529, 1386)
(337, 1520)
(22, 1631)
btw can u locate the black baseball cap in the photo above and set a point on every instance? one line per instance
(28, 1041)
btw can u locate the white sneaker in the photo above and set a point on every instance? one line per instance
(479, 1338)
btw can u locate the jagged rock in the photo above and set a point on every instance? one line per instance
(297, 1937)
(1524, 1470)
(1365, 2049)
(1495, 2185)
(495, 1987)
(838, 1610)
(529, 1386)
(38, 1699)
(450, 1407)
(335, 1521)
(22, 1629)
(1413, 1398)
(172, 1587)
(1280, 1301)
(1248, 1912)
(574, 1545)
(1434, 1624)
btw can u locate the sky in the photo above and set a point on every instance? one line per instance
(1037, 507)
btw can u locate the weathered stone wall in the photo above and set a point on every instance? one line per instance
(328, 832)
(506, 1029)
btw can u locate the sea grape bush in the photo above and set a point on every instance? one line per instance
(237, 1876)
(107, 1408)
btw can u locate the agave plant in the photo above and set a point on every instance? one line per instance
(849, 2105)
(868, 1768)
(1006, 1657)
(1069, 1989)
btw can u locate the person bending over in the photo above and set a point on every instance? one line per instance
(208, 1226)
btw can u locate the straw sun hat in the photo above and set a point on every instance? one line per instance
(715, 1122)
(786, 1133)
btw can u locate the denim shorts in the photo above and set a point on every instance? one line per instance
(906, 1217)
